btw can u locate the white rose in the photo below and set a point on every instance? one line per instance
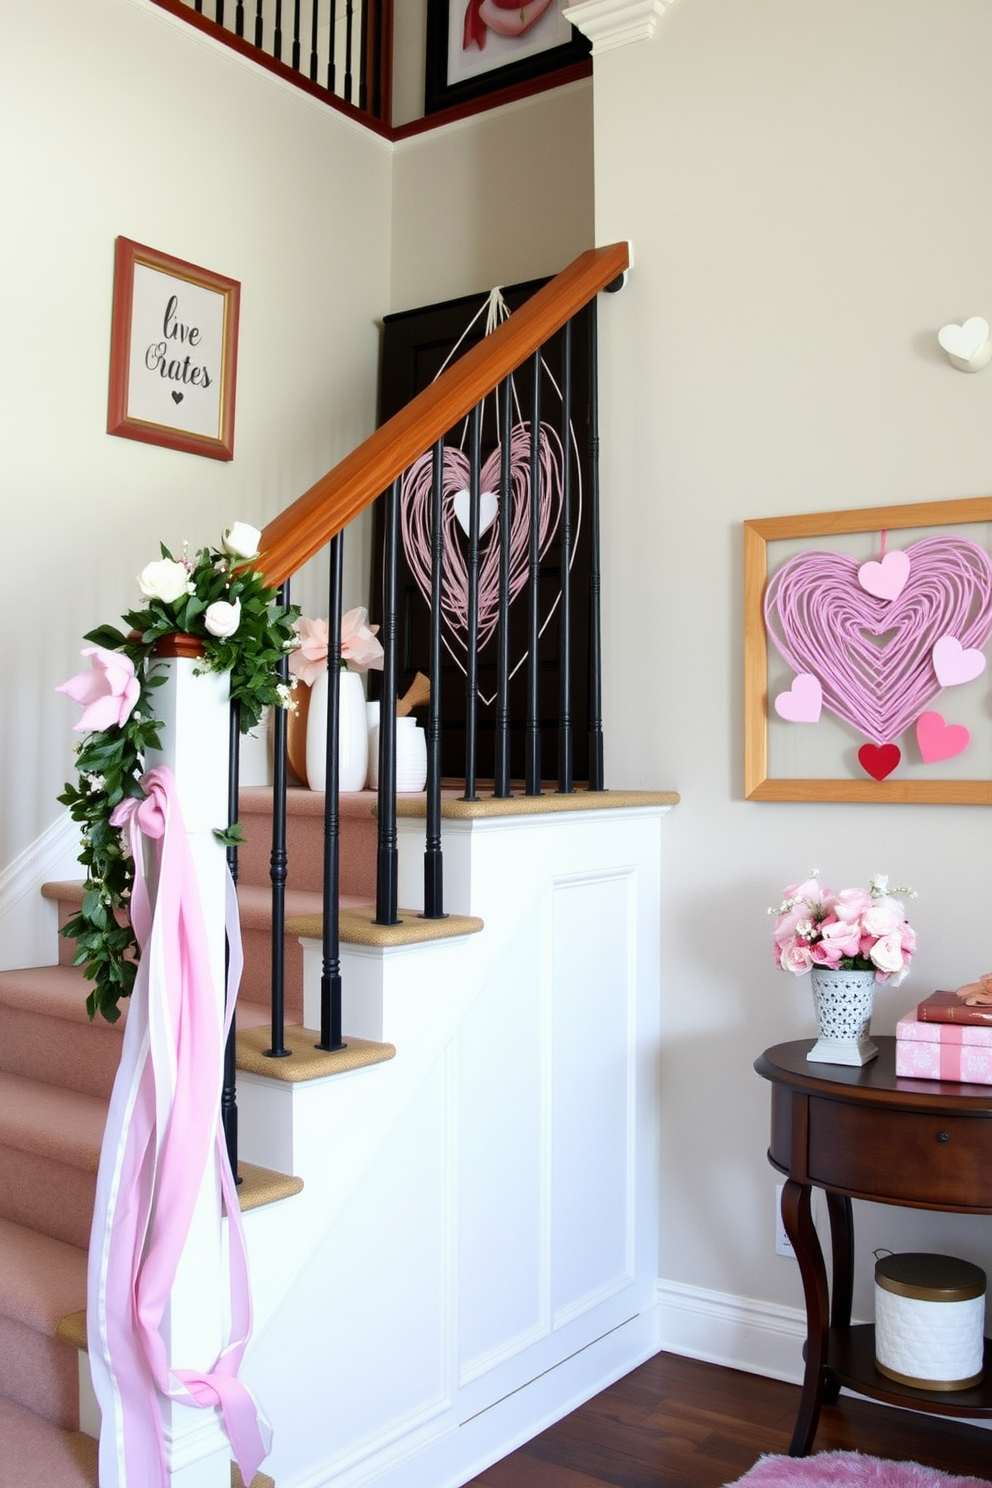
(222, 619)
(164, 579)
(886, 954)
(241, 540)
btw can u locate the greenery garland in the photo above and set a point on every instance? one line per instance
(218, 597)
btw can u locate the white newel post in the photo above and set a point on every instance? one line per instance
(195, 713)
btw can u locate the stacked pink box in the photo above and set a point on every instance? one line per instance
(944, 1051)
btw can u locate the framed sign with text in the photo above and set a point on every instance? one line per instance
(173, 353)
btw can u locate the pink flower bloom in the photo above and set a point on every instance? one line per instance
(880, 918)
(797, 958)
(841, 937)
(310, 658)
(852, 904)
(886, 954)
(825, 954)
(359, 647)
(222, 618)
(107, 694)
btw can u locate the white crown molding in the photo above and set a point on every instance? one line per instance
(616, 23)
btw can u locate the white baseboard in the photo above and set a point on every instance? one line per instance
(28, 923)
(759, 1337)
(454, 1457)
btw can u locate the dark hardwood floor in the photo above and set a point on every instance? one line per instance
(677, 1423)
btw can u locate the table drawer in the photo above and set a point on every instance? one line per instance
(901, 1156)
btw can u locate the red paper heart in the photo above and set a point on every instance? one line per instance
(879, 760)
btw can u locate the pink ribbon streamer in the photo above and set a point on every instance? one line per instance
(163, 1132)
(949, 1051)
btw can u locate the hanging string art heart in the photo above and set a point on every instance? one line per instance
(415, 528)
(873, 655)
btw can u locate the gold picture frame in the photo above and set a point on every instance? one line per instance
(759, 785)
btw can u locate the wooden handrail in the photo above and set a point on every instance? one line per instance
(300, 531)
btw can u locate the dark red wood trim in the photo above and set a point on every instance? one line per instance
(278, 69)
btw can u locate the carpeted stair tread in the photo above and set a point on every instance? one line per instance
(55, 991)
(37, 1454)
(255, 904)
(48, 1121)
(357, 926)
(305, 1062)
(41, 1279)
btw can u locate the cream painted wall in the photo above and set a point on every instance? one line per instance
(495, 199)
(805, 187)
(119, 120)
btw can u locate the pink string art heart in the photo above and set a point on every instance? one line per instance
(415, 527)
(872, 656)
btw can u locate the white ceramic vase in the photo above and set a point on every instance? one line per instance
(843, 1004)
(353, 738)
(411, 755)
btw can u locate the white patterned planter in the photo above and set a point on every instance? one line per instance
(843, 1004)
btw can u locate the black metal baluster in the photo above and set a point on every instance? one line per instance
(566, 784)
(198, 6)
(349, 16)
(330, 976)
(363, 57)
(433, 868)
(277, 864)
(229, 1088)
(219, 12)
(331, 67)
(377, 46)
(596, 771)
(472, 636)
(313, 40)
(277, 33)
(501, 784)
(387, 860)
(259, 33)
(533, 740)
(296, 35)
(239, 18)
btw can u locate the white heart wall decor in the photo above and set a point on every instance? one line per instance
(968, 345)
(488, 507)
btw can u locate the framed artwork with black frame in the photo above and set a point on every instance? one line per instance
(478, 48)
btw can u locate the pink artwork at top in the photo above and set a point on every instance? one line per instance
(873, 654)
(502, 17)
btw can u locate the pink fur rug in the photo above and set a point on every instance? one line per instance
(848, 1470)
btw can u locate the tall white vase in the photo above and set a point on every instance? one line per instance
(353, 738)
(843, 1002)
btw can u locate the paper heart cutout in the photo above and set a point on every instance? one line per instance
(939, 740)
(802, 703)
(963, 341)
(887, 578)
(953, 664)
(415, 524)
(874, 657)
(879, 760)
(177, 397)
(488, 507)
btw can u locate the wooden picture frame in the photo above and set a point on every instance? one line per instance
(759, 785)
(173, 352)
(457, 75)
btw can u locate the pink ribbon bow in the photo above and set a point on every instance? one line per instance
(163, 1132)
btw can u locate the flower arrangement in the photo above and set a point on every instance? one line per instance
(853, 930)
(360, 651)
(218, 597)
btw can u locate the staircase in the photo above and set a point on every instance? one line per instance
(56, 1074)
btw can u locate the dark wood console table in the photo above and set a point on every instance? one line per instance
(863, 1133)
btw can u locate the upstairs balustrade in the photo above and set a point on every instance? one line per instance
(339, 50)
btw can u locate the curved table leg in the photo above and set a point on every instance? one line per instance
(842, 1284)
(797, 1217)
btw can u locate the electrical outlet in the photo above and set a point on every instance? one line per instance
(783, 1245)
